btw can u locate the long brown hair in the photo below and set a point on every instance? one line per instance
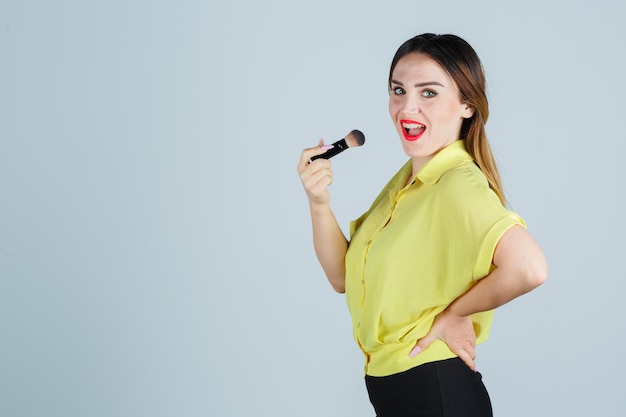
(461, 62)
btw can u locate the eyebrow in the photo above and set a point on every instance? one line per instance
(419, 84)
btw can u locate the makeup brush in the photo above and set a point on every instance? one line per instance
(352, 139)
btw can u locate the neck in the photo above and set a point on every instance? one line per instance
(417, 164)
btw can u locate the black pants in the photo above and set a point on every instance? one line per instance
(445, 388)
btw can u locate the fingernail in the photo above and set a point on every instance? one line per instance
(415, 351)
(327, 147)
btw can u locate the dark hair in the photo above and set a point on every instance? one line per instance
(462, 64)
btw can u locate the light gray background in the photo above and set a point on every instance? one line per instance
(155, 251)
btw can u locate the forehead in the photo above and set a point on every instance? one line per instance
(420, 68)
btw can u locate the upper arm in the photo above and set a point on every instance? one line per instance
(518, 251)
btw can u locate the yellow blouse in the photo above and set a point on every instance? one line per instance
(417, 249)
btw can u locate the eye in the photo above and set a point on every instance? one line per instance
(429, 93)
(397, 91)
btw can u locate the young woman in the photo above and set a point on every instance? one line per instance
(438, 250)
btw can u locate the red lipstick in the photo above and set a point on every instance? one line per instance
(412, 129)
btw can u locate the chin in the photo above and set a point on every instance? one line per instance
(411, 152)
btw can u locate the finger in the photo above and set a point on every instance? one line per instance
(421, 345)
(319, 179)
(320, 151)
(471, 350)
(316, 182)
(316, 171)
(313, 173)
(308, 153)
(463, 345)
(467, 359)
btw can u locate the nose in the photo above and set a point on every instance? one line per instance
(411, 104)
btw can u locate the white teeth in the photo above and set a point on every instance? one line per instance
(412, 125)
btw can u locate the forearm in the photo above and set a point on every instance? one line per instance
(330, 245)
(495, 290)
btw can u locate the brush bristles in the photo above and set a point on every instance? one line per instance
(355, 138)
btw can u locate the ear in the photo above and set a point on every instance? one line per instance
(467, 111)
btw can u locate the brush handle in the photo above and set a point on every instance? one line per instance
(338, 147)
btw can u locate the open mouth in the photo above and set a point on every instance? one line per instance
(412, 130)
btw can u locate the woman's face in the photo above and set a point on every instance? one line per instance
(425, 106)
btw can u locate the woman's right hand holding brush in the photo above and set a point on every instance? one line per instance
(316, 175)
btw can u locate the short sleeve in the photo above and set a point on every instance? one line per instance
(355, 224)
(484, 260)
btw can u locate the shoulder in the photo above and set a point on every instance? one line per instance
(466, 182)
(465, 196)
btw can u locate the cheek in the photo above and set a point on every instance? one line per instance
(394, 107)
(390, 107)
(450, 120)
(450, 114)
